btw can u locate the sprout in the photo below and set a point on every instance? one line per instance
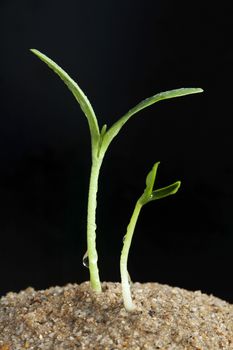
(148, 195)
(100, 140)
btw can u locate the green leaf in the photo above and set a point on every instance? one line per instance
(116, 127)
(165, 191)
(150, 180)
(78, 94)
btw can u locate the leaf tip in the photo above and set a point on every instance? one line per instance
(199, 90)
(177, 185)
(155, 167)
(35, 51)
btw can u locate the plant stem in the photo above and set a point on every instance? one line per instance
(91, 225)
(128, 303)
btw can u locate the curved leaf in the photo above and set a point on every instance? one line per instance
(76, 91)
(116, 127)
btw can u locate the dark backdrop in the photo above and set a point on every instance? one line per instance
(119, 52)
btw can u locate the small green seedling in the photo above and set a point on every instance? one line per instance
(100, 141)
(148, 195)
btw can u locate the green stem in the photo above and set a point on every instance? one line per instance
(128, 303)
(91, 225)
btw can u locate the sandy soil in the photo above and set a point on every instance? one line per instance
(74, 317)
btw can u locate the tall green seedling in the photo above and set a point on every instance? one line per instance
(100, 141)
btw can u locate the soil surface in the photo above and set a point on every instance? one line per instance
(74, 317)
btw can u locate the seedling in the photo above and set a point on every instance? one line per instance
(148, 195)
(100, 141)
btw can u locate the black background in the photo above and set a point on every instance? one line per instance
(120, 52)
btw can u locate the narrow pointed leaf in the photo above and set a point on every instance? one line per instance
(150, 179)
(165, 191)
(76, 91)
(116, 127)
